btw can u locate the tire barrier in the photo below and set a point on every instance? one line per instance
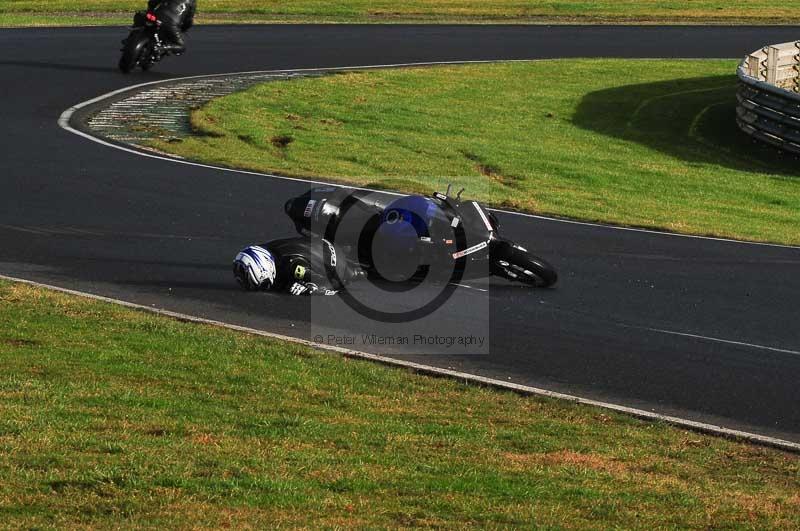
(769, 96)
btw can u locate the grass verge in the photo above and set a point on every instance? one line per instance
(648, 143)
(113, 417)
(83, 12)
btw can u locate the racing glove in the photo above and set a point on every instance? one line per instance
(299, 288)
(309, 288)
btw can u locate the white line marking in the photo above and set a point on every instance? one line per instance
(717, 340)
(645, 231)
(436, 371)
(65, 117)
(469, 287)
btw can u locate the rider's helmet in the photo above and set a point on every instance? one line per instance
(254, 268)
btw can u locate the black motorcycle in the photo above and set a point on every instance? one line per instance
(143, 47)
(440, 231)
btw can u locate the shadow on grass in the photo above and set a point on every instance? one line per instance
(690, 119)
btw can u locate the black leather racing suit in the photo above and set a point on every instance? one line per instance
(176, 17)
(311, 266)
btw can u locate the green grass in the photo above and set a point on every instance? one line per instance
(111, 417)
(50, 12)
(649, 143)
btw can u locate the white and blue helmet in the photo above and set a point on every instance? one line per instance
(254, 268)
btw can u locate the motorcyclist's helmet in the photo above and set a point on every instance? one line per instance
(254, 268)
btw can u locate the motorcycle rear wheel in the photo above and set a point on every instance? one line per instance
(135, 46)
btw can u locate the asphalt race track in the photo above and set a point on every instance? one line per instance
(702, 329)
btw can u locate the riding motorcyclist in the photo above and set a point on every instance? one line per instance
(300, 266)
(176, 17)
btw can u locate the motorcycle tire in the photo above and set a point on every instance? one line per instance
(135, 46)
(518, 265)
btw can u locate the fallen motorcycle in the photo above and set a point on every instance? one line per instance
(438, 232)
